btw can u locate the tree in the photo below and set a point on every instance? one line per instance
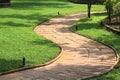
(109, 7)
(89, 4)
(89, 8)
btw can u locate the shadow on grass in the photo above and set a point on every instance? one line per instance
(42, 4)
(38, 17)
(85, 19)
(6, 65)
(32, 5)
(100, 14)
(43, 42)
(90, 19)
(12, 24)
(41, 0)
(86, 26)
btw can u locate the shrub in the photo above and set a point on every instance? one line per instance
(116, 12)
(117, 1)
(113, 11)
(116, 8)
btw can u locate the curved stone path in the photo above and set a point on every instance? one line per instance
(82, 57)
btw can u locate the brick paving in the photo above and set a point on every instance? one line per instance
(82, 57)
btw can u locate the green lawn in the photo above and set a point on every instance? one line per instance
(92, 28)
(17, 38)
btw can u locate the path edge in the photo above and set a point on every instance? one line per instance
(109, 28)
(41, 65)
(115, 51)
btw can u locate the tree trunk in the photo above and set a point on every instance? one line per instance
(109, 17)
(89, 9)
(109, 12)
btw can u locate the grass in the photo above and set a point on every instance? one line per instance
(17, 38)
(92, 28)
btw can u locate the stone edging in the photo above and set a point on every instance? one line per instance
(109, 28)
(117, 56)
(41, 65)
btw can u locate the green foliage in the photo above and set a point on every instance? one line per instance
(113, 10)
(116, 8)
(116, 13)
(117, 0)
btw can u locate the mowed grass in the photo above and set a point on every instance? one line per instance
(17, 38)
(92, 28)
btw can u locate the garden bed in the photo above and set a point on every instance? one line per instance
(114, 25)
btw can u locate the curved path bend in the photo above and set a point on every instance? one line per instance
(81, 57)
